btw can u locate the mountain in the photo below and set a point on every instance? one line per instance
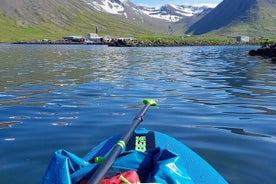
(166, 12)
(123, 8)
(38, 19)
(174, 13)
(28, 19)
(52, 19)
(236, 17)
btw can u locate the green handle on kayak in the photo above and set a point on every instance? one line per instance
(104, 167)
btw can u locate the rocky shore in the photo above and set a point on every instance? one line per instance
(159, 43)
(143, 43)
(268, 50)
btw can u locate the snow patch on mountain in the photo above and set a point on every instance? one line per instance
(174, 13)
(109, 6)
(169, 12)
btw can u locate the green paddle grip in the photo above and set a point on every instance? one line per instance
(150, 101)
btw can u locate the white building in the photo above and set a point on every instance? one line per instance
(93, 38)
(243, 38)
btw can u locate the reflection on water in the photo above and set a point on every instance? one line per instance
(73, 96)
(60, 124)
(8, 124)
(239, 131)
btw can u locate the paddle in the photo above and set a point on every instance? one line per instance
(104, 167)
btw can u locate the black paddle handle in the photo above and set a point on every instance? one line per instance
(105, 166)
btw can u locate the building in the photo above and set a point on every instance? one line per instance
(73, 39)
(243, 39)
(93, 38)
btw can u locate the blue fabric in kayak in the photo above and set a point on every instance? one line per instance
(161, 166)
(168, 162)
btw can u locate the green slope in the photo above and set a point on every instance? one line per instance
(255, 18)
(54, 19)
(72, 21)
(13, 30)
(261, 25)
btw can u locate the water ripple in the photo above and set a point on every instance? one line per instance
(9, 124)
(238, 131)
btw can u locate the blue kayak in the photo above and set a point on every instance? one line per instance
(156, 157)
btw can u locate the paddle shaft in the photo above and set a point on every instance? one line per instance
(104, 167)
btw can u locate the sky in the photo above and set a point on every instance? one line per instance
(154, 3)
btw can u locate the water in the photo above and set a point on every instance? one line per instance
(217, 100)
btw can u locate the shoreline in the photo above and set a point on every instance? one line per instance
(135, 43)
(159, 43)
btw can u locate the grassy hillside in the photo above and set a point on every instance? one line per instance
(13, 30)
(41, 19)
(223, 15)
(52, 20)
(255, 18)
(79, 25)
(261, 25)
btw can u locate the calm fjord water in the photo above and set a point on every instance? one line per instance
(217, 100)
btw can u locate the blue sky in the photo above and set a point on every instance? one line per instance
(176, 2)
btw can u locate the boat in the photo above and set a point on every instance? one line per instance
(153, 156)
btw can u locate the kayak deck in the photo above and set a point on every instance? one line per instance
(155, 156)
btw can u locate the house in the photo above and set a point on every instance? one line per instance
(243, 39)
(93, 38)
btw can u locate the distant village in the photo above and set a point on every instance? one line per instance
(92, 38)
(89, 38)
(95, 39)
